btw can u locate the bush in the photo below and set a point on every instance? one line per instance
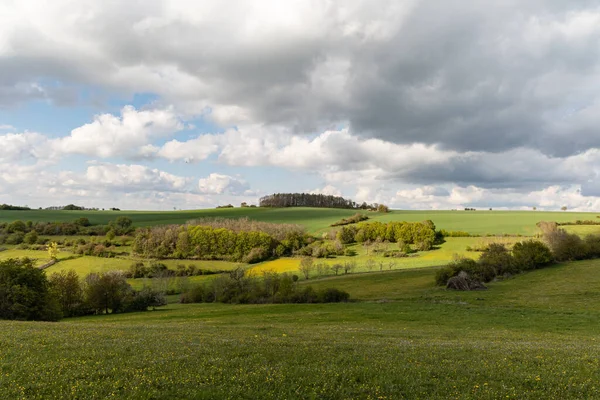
(256, 255)
(592, 243)
(144, 299)
(31, 237)
(498, 259)
(531, 254)
(566, 246)
(467, 265)
(333, 295)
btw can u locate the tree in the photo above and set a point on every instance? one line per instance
(53, 250)
(564, 208)
(16, 226)
(370, 264)
(83, 221)
(534, 208)
(306, 266)
(349, 266)
(106, 291)
(382, 208)
(31, 237)
(24, 292)
(367, 245)
(336, 268)
(67, 289)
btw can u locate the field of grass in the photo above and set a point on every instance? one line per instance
(87, 264)
(530, 337)
(318, 220)
(40, 257)
(582, 230)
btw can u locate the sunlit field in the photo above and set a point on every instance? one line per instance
(529, 337)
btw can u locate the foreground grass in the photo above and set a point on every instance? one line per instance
(530, 337)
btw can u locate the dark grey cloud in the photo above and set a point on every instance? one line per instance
(486, 76)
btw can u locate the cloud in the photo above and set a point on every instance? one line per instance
(20, 147)
(488, 77)
(339, 156)
(133, 177)
(223, 184)
(109, 135)
(7, 127)
(329, 190)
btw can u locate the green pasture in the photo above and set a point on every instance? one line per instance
(40, 256)
(88, 264)
(317, 220)
(529, 337)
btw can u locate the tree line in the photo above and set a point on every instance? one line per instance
(212, 243)
(18, 231)
(240, 288)
(422, 234)
(557, 245)
(314, 200)
(26, 293)
(10, 207)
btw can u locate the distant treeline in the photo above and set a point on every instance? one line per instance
(312, 200)
(13, 208)
(18, 232)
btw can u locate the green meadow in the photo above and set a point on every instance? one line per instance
(532, 336)
(317, 220)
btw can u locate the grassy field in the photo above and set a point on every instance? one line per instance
(534, 336)
(318, 220)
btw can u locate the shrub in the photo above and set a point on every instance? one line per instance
(531, 254)
(15, 238)
(31, 237)
(138, 270)
(333, 295)
(256, 255)
(467, 265)
(592, 243)
(142, 300)
(351, 220)
(566, 246)
(498, 259)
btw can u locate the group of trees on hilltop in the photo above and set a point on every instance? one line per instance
(314, 200)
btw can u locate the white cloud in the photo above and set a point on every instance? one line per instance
(18, 147)
(133, 177)
(328, 190)
(223, 184)
(110, 136)
(6, 127)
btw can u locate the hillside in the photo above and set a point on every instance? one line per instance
(533, 336)
(318, 219)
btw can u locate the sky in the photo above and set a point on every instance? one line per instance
(417, 104)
